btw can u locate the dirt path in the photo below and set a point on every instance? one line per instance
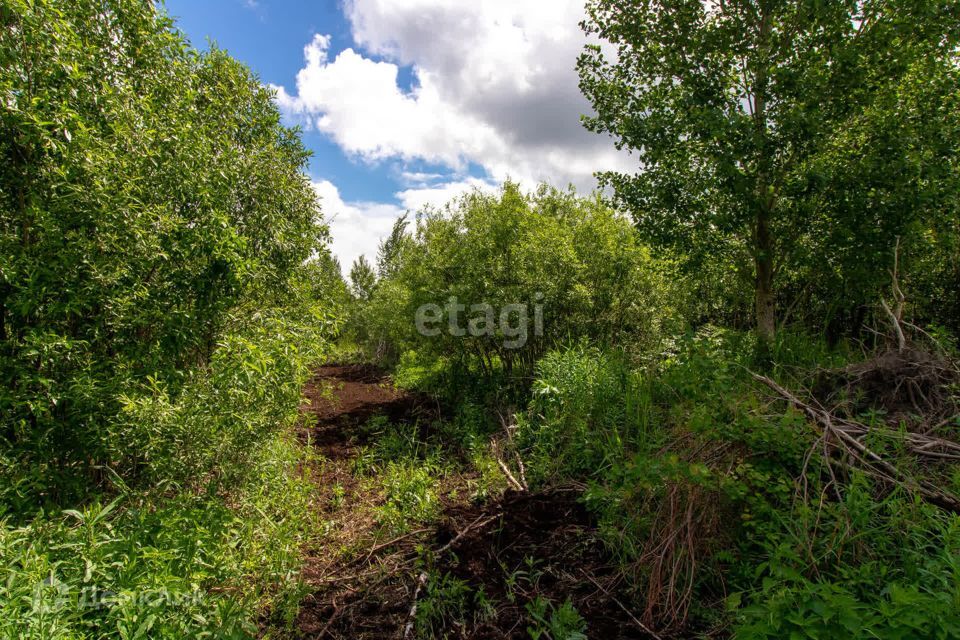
(357, 583)
(486, 561)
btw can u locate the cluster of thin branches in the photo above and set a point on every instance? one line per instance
(843, 442)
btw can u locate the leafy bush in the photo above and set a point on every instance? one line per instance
(573, 258)
(211, 429)
(410, 496)
(588, 409)
(860, 568)
(158, 318)
(138, 214)
(212, 539)
(691, 450)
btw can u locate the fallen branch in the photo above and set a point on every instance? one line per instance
(516, 484)
(508, 429)
(845, 435)
(412, 616)
(506, 471)
(479, 523)
(390, 543)
(333, 617)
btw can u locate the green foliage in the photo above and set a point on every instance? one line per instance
(694, 431)
(859, 568)
(320, 281)
(801, 137)
(158, 318)
(405, 469)
(587, 410)
(363, 279)
(574, 259)
(147, 192)
(223, 415)
(448, 601)
(165, 291)
(557, 623)
(179, 560)
(154, 567)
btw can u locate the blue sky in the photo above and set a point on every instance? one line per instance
(269, 37)
(408, 103)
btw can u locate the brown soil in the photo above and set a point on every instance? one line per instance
(361, 585)
(914, 387)
(545, 539)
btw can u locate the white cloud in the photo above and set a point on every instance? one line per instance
(419, 177)
(358, 103)
(415, 199)
(356, 227)
(494, 85)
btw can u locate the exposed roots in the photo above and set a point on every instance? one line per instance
(912, 386)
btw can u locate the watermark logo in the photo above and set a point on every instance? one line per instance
(53, 596)
(511, 321)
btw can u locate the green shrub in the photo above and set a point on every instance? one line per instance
(587, 411)
(154, 567)
(410, 496)
(139, 219)
(858, 568)
(574, 261)
(212, 541)
(213, 427)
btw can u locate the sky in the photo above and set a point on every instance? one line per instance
(406, 103)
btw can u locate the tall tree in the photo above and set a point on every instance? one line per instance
(726, 103)
(391, 249)
(363, 279)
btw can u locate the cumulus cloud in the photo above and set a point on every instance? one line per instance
(358, 103)
(494, 85)
(356, 227)
(417, 198)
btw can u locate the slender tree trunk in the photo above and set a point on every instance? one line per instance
(763, 245)
(766, 309)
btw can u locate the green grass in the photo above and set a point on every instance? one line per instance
(149, 566)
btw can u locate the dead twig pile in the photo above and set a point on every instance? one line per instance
(913, 386)
(846, 438)
(913, 381)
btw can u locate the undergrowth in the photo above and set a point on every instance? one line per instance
(201, 532)
(711, 497)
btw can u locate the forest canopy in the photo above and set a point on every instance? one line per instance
(803, 137)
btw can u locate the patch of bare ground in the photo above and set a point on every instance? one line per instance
(364, 584)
